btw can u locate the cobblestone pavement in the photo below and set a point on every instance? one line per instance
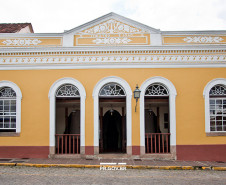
(30, 175)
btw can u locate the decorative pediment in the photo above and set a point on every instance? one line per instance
(112, 32)
(112, 26)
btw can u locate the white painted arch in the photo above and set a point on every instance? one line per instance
(52, 104)
(172, 107)
(128, 91)
(212, 83)
(18, 101)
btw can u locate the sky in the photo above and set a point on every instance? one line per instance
(55, 16)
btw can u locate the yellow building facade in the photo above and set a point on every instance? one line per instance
(72, 93)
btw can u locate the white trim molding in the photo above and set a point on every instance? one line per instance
(128, 91)
(172, 107)
(128, 59)
(52, 104)
(206, 97)
(18, 102)
(109, 66)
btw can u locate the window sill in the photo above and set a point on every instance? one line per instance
(9, 134)
(215, 134)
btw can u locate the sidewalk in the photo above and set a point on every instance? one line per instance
(130, 163)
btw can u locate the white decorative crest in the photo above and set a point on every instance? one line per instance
(201, 39)
(111, 26)
(218, 90)
(112, 40)
(156, 90)
(112, 89)
(67, 90)
(21, 42)
(7, 92)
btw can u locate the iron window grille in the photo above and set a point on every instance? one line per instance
(7, 109)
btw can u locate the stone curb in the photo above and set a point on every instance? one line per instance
(7, 164)
(127, 166)
(219, 168)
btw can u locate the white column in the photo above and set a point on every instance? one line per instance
(172, 119)
(52, 121)
(96, 120)
(142, 135)
(82, 120)
(128, 120)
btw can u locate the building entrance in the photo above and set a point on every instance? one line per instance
(112, 122)
(67, 120)
(157, 126)
(112, 131)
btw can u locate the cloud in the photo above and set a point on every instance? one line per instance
(179, 15)
(58, 15)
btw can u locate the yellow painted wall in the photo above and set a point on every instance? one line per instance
(35, 85)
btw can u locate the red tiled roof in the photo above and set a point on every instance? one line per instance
(14, 27)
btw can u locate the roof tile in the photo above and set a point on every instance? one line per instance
(14, 27)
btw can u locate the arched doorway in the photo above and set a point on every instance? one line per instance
(112, 129)
(67, 119)
(53, 113)
(168, 98)
(157, 131)
(125, 111)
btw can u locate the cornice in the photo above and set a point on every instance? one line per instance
(116, 48)
(114, 57)
(107, 66)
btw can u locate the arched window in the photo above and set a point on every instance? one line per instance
(215, 107)
(217, 101)
(112, 89)
(7, 110)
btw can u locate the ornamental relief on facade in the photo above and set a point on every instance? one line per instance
(21, 42)
(112, 32)
(116, 40)
(111, 26)
(31, 42)
(207, 39)
(193, 39)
